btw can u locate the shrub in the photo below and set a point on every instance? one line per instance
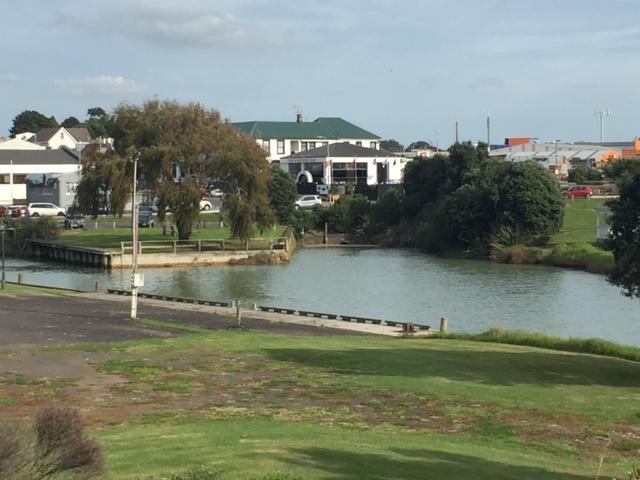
(584, 174)
(54, 445)
(42, 228)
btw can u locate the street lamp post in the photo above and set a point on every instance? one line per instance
(555, 170)
(135, 282)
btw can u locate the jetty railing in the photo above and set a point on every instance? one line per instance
(205, 245)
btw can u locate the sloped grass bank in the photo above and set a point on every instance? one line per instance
(593, 346)
(250, 404)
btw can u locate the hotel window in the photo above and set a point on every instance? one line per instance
(305, 146)
(265, 145)
(374, 145)
(280, 147)
(312, 145)
(359, 144)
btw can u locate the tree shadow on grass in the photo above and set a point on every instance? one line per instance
(488, 367)
(416, 464)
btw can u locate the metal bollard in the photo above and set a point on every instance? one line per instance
(444, 324)
(238, 314)
(97, 289)
(20, 279)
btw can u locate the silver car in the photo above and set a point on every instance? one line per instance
(308, 201)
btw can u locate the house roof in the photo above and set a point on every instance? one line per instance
(60, 156)
(46, 134)
(18, 144)
(80, 134)
(322, 128)
(343, 149)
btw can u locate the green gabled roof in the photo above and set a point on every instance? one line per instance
(322, 128)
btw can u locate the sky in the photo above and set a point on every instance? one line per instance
(402, 69)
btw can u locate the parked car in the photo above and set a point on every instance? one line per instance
(74, 220)
(145, 218)
(45, 210)
(18, 211)
(4, 211)
(579, 191)
(308, 201)
(205, 205)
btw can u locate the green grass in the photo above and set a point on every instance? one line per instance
(574, 246)
(593, 346)
(249, 448)
(111, 238)
(579, 225)
(13, 289)
(250, 404)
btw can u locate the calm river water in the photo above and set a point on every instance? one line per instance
(392, 284)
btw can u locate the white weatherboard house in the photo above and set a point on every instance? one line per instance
(341, 163)
(16, 165)
(281, 139)
(58, 137)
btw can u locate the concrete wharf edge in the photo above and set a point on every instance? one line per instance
(278, 310)
(270, 316)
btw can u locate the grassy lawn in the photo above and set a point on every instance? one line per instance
(13, 290)
(111, 238)
(574, 246)
(250, 404)
(579, 224)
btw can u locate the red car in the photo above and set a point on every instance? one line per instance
(3, 210)
(579, 191)
(19, 211)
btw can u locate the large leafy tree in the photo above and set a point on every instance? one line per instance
(181, 149)
(392, 145)
(625, 237)
(282, 193)
(70, 122)
(98, 122)
(420, 145)
(31, 121)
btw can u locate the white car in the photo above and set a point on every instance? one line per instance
(308, 201)
(45, 210)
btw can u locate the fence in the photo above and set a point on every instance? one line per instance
(205, 245)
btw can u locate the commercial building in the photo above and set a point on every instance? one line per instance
(17, 165)
(282, 139)
(341, 163)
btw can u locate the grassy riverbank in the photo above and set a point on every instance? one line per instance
(111, 238)
(249, 404)
(574, 246)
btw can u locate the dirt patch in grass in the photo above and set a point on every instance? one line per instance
(110, 387)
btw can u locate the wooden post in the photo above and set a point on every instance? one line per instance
(20, 279)
(238, 314)
(114, 225)
(97, 287)
(444, 324)
(175, 246)
(95, 225)
(326, 233)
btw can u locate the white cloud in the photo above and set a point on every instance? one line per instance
(98, 85)
(166, 24)
(9, 77)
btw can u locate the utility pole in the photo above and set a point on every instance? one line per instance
(135, 283)
(456, 131)
(602, 114)
(488, 132)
